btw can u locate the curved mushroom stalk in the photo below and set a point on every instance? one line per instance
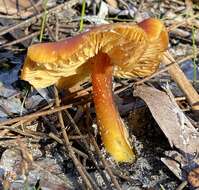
(112, 129)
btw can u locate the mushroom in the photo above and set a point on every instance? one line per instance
(120, 49)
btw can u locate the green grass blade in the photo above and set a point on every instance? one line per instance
(81, 24)
(44, 17)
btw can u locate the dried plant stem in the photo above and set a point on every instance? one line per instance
(40, 113)
(194, 53)
(68, 146)
(56, 138)
(20, 39)
(34, 115)
(179, 77)
(24, 133)
(89, 151)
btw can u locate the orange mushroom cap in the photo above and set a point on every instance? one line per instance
(134, 50)
(156, 31)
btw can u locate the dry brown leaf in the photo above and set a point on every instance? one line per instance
(174, 124)
(179, 131)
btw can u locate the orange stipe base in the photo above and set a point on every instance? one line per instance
(112, 129)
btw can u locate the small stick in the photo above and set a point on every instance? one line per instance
(68, 146)
(77, 137)
(54, 137)
(179, 77)
(40, 113)
(89, 151)
(20, 40)
(18, 123)
(35, 115)
(24, 133)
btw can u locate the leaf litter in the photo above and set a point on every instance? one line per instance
(39, 159)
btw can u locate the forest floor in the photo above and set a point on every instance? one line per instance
(163, 127)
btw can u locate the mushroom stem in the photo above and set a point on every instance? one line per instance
(112, 129)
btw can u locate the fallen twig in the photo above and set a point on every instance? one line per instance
(89, 151)
(35, 115)
(179, 77)
(68, 146)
